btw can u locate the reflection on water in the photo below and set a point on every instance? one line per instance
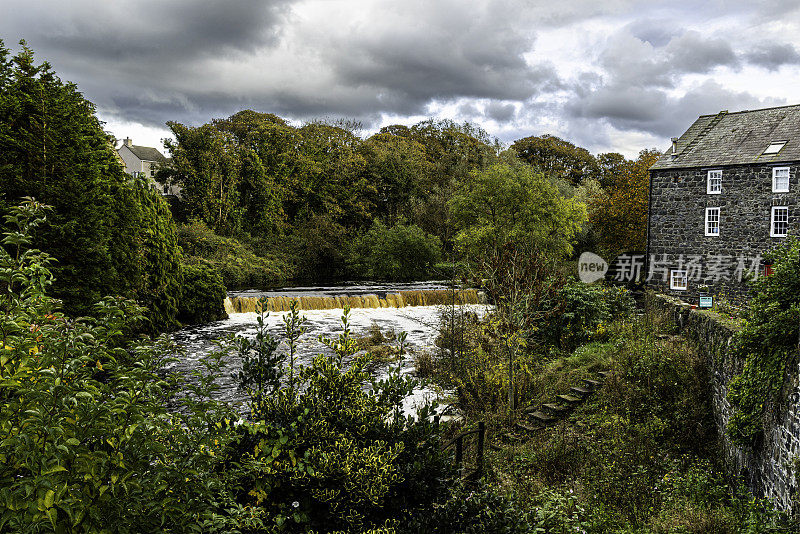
(419, 322)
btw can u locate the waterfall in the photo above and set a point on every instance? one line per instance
(400, 299)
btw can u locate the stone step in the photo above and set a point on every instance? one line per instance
(581, 392)
(543, 418)
(569, 399)
(592, 384)
(555, 409)
(526, 428)
(530, 409)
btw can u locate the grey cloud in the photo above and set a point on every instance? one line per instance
(693, 53)
(652, 110)
(629, 60)
(500, 112)
(161, 32)
(417, 67)
(772, 56)
(656, 32)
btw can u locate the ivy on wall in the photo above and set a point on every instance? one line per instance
(767, 342)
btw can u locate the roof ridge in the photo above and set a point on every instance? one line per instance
(753, 110)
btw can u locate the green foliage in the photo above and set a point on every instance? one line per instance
(398, 167)
(474, 510)
(88, 445)
(239, 266)
(320, 246)
(146, 256)
(394, 253)
(639, 456)
(203, 295)
(511, 203)
(767, 341)
(585, 314)
(618, 213)
(108, 233)
(556, 157)
(330, 454)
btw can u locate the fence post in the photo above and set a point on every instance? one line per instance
(459, 453)
(481, 437)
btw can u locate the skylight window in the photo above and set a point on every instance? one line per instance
(774, 148)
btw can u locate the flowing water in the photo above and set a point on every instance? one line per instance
(412, 308)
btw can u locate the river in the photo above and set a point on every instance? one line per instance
(420, 322)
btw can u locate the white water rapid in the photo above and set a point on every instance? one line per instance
(419, 322)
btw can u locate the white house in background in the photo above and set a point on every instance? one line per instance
(144, 160)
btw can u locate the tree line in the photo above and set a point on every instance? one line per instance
(324, 196)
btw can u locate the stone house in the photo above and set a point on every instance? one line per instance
(724, 194)
(145, 160)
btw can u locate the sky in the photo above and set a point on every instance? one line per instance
(610, 75)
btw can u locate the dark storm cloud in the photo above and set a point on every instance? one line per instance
(500, 112)
(772, 56)
(653, 111)
(446, 54)
(155, 31)
(135, 60)
(629, 63)
(695, 53)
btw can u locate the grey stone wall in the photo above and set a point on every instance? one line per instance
(676, 226)
(767, 468)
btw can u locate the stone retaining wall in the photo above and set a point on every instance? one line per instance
(768, 467)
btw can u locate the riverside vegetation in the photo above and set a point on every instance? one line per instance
(89, 445)
(641, 455)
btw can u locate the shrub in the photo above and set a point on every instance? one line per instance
(394, 253)
(584, 314)
(88, 445)
(320, 247)
(330, 454)
(470, 511)
(203, 295)
(238, 265)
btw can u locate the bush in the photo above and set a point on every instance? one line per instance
(320, 246)
(470, 511)
(239, 266)
(325, 453)
(394, 253)
(203, 295)
(584, 314)
(88, 445)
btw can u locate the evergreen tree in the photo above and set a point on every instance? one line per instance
(110, 234)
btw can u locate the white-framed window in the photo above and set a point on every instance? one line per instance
(779, 221)
(712, 221)
(714, 182)
(780, 179)
(678, 279)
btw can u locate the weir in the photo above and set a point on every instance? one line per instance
(401, 299)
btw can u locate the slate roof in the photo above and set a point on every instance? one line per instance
(737, 138)
(146, 153)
